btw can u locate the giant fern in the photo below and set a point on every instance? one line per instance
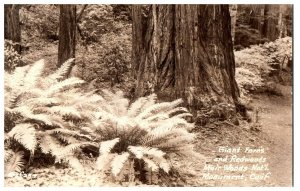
(144, 131)
(45, 111)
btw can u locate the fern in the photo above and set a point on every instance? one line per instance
(144, 132)
(49, 109)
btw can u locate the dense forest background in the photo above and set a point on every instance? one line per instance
(218, 59)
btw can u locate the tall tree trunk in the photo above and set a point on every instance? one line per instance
(233, 13)
(187, 52)
(282, 25)
(67, 33)
(270, 25)
(12, 29)
(137, 37)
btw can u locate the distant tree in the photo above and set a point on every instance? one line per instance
(186, 51)
(12, 29)
(233, 14)
(67, 33)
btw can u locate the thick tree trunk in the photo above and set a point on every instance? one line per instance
(67, 33)
(12, 29)
(187, 52)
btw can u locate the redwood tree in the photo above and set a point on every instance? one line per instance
(67, 33)
(186, 52)
(12, 29)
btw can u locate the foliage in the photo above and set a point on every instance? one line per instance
(138, 139)
(254, 65)
(44, 113)
(212, 111)
(14, 161)
(96, 21)
(40, 21)
(109, 60)
(245, 36)
(12, 58)
(49, 114)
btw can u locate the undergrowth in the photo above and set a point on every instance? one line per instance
(59, 116)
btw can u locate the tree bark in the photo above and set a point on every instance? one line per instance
(12, 29)
(187, 52)
(67, 33)
(137, 37)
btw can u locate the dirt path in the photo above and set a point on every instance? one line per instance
(276, 120)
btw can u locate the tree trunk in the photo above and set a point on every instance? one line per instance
(187, 52)
(67, 33)
(233, 13)
(12, 29)
(137, 37)
(282, 25)
(270, 25)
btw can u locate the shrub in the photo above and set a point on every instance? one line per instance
(109, 61)
(254, 65)
(12, 58)
(39, 21)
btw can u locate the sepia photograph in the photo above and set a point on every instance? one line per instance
(148, 95)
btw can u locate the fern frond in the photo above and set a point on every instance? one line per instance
(40, 101)
(47, 143)
(74, 163)
(157, 117)
(67, 139)
(106, 146)
(68, 132)
(26, 113)
(163, 164)
(140, 104)
(15, 163)
(65, 110)
(69, 149)
(137, 151)
(151, 165)
(118, 163)
(159, 107)
(50, 145)
(62, 71)
(103, 161)
(154, 152)
(33, 74)
(63, 85)
(177, 109)
(24, 134)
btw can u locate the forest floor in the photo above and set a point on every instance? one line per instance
(272, 134)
